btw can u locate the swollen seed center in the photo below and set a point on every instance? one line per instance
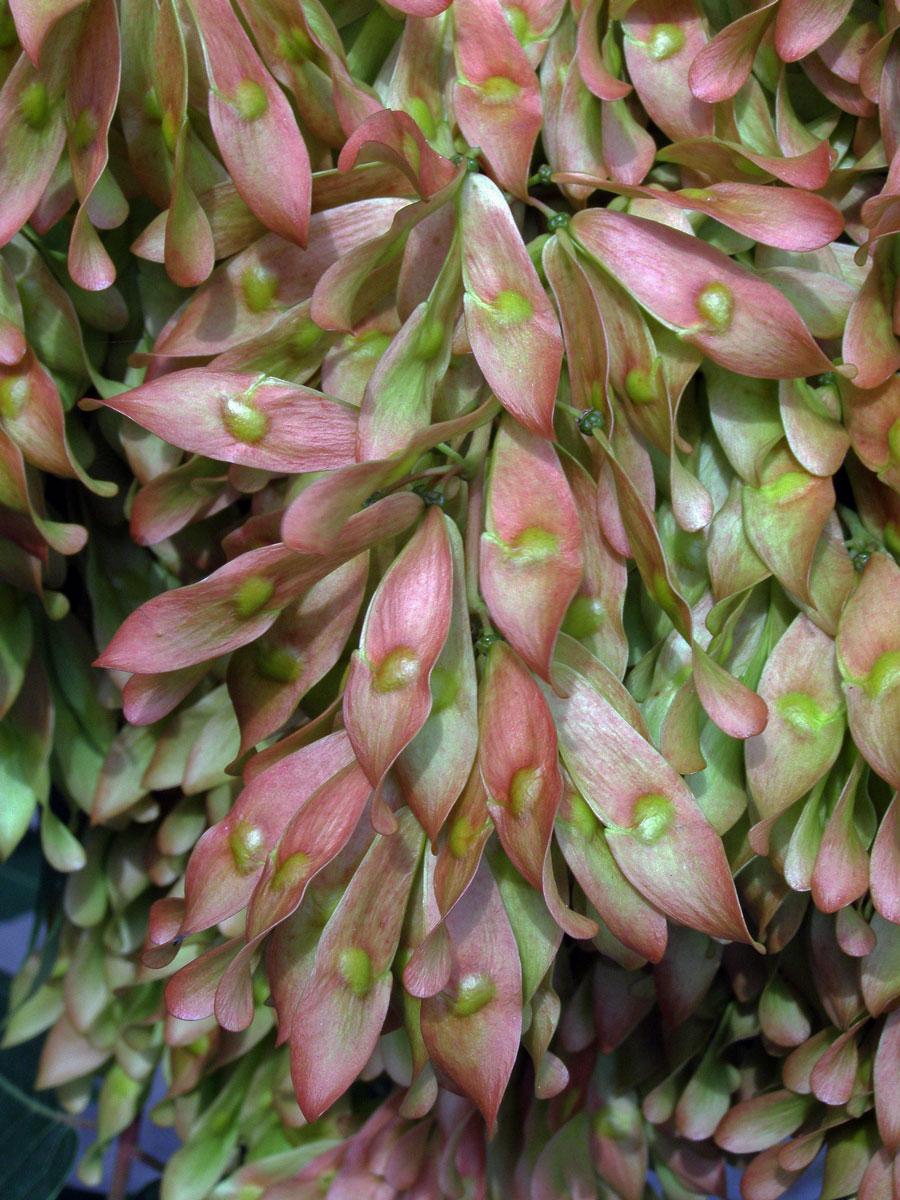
(784, 486)
(245, 843)
(305, 338)
(169, 126)
(280, 664)
(498, 89)
(421, 114)
(431, 338)
(444, 686)
(250, 100)
(253, 594)
(652, 816)
(290, 872)
(296, 46)
(716, 305)
(151, 106)
(534, 545)
(585, 616)
(884, 674)
(893, 441)
(398, 669)
(244, 421)
(511, 308)
(13, 396)
(642, 386)
(582, 818)
(84, 130)
(664, 41)
(802, 713)
(460, 837)
(472, 994)
(259, 287)
(355, 967)
(35, 105)
(525, 790)
(519, 23)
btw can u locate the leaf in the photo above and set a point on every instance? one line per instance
(45, 1147)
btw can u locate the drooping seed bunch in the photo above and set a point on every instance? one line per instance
(509, 594)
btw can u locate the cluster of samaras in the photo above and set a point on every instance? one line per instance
(515, 589)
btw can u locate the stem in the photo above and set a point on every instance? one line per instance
(473, 549)
(125, 1155)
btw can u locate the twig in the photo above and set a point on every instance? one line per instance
(125, 1156)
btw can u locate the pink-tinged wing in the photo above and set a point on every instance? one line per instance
(188, 248)
(35, 18)
(315, 520)
(651, 817)
(763, 1121)
(191, 991)
(868, 646)
(228, 609)
(33, 417)
(32, 133)
(723, 66)
(91, 98)
(320, 830)
(434, 767)
(662, 39)
(246, 419)
(227, 862)
(629, 917)
(461, 847)
(841, 872)
(395, 138)
(722, 308)
(388, 697)
(589, 58)
(595, 616)
(884, 864)
(472, 1028)
(587, 354)
(246, 295)
(148, 698)
(398, 400)
(254, 126)
(800, 221)
(519, 761)
(496, 98)
(784, 518)
(531, 561)
(869, 342)
(801, 686)
(339, 1017)
(267, 680)
(572, 134)
(801, 26)
(732, 160)
(174, 499)
(510, 322)
(811, 420)
(887, 1083)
